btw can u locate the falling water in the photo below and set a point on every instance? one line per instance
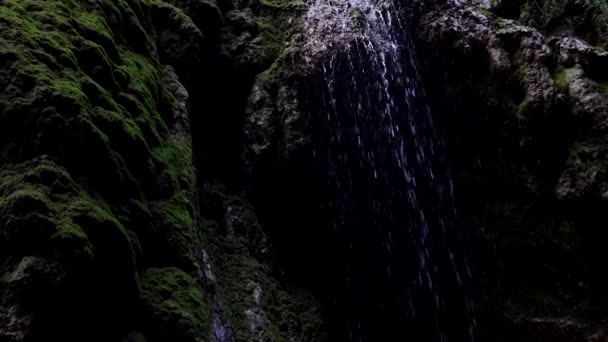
(402, 274)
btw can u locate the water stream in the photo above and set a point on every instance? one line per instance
(401, 274)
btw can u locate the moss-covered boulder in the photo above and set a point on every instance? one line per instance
(96, 167)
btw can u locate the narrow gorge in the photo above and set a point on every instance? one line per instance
(303, 170)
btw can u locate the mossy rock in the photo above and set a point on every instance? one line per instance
(255, 303)
(176, 306)
(45, 214)
(85, 88)
(97, 178)
(72, 65)
(561, 79)
(86, 130)
(259, 306)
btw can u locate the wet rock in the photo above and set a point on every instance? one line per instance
(577, 183)
(205, 14)
(180, 42)
(261, 124)
(181, 106)
(589, 101)
(539, 107)
(98, 190)
(24, 286)
(546, 13)
(257, 322)
(97, 172)
(207, 269)
(238, 220)
(15, 327)
(241, 43)
(176, 307)
(574, 51)
(566, 329)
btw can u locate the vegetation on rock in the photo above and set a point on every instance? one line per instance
(258, 304)
(175, 306)
(599, 10)
(97, 179)
(102, 237)
(87, 151)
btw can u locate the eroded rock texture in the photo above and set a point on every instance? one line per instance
(520, 91)
(158, 179)
(101, 232)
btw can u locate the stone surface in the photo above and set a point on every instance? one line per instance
(101, 232)
(108, 232)
(533, 193)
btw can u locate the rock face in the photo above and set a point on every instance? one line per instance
(518, 89)
(523, 109)
(157, 179)
(101, 231)
(96, 168)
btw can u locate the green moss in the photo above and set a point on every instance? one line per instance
(72, 242)
(289, 316)
(25, 213)
(599, 11)
(273, 71)
(178, 231)
(93, 214)
(176, 157)
(89, 128)
(109, 91)
(178, 213)
(40, 190)
(521, 66)
(524, 108)
(176, 306)
(41, 40)
(276, 4)
(486, 12)
(85, 126)
(277, 20)
(236, 278)
(560, 79)
(28, 199)
(590, 153)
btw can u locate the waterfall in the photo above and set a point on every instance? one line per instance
(400, 271)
